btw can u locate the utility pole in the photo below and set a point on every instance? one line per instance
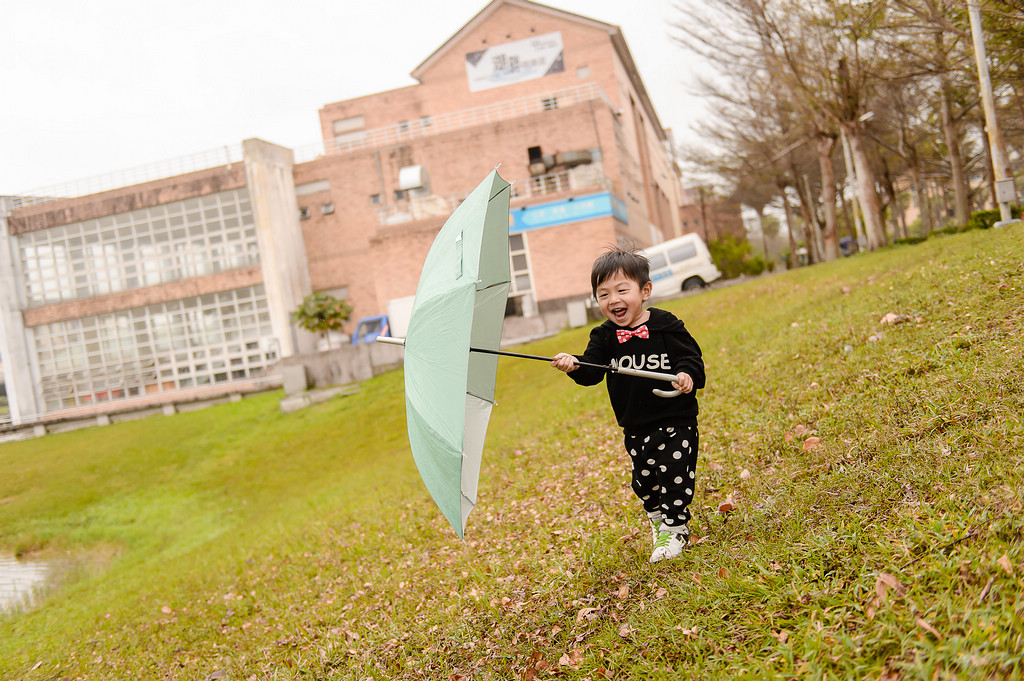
(1006, 191)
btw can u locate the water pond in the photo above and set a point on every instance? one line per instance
(21, 581)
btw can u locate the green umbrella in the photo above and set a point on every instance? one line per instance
(459, 303)
(451, 348)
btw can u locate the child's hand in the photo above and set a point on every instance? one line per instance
(683, 382)
(564, 362)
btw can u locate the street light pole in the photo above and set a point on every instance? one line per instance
(1006, 192)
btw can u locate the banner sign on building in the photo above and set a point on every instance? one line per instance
(515, 62)
(564, 212)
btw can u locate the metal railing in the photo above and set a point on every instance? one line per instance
(437, 205)
(159, 170)
(562, 181)
(458, 120)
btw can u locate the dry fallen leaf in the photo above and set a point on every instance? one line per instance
(726, 505)
(625, 630)
(661, 593)
(623, 592)
(1004, 562)
(744, 474)
(697, 577)
(921, 622)
(885, 582)
(893, 318)
(723, 573)
(811, 442)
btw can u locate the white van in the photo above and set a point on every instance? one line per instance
(681, 264)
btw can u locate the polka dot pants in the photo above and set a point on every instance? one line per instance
(664, 465)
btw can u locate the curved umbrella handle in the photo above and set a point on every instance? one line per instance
(649, 374)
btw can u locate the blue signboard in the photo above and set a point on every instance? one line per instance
(565, 212)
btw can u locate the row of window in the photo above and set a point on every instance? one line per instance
(180, 344)
(146, 247)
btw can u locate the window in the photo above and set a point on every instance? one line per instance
(522, 282)
(657, 261)
(163, 243)
(349, 132)
(375, 199)
(113, 356)
(303, 213)
(683, 252)
(327, 209)
(549, 103)
(349, 124)
(403, 126)
(401, 195)
(426, 122)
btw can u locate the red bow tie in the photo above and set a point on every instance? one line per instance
(625, 334)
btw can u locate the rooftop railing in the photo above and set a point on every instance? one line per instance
(159, 170)
(455, 120)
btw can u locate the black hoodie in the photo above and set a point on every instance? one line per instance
(670, 349)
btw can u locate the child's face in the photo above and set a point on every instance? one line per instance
(622, 299)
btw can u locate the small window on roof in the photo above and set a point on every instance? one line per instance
(344, 125)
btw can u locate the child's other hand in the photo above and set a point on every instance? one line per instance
(683, 382)
(564, 362)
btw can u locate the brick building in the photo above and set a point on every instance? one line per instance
(184, 283)
(711, 216)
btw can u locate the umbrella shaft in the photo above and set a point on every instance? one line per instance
(505, 353)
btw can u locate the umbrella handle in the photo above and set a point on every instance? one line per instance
(649, 374)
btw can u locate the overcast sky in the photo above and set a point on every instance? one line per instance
(90, 88)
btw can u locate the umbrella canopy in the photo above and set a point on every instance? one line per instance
(459, 304)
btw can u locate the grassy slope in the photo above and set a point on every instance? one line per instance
(304, 546)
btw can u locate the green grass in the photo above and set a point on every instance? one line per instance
(303, 546)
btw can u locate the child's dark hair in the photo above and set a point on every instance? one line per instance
(632, 264)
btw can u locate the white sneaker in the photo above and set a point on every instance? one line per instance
(667, 546)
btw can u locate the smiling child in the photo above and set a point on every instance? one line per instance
(660, 433)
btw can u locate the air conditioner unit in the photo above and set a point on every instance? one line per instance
(412, 177)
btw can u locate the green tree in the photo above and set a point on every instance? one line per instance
(321, 313)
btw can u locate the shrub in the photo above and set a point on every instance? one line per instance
(321, 313)
(734, 259)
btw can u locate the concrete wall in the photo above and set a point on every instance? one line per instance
(23, 399)
(268, 172)
(347, 364)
